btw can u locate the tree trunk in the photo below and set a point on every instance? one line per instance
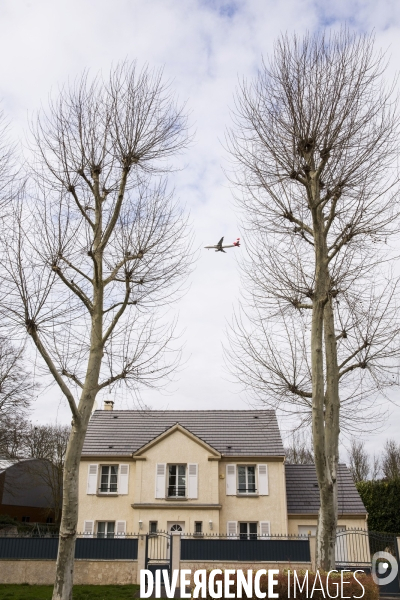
(66, 549)
(325, 446)
(328, 512)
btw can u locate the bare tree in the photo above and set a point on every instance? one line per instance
(12, 435)
(8, 170)
(16, 385)
(299, 451)
(315, 143)
(391, 460)
(99, 244)
(359, 461)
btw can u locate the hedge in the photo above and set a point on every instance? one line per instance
(382, 500)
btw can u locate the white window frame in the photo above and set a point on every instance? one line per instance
(108, 492)
(249, 535)
(106, 533)
(247, 492)
(169, 465)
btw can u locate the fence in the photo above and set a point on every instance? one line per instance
(260, 548)
(123, 548)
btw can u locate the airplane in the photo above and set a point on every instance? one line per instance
(220, 248)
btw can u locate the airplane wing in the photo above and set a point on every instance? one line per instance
(220, 242)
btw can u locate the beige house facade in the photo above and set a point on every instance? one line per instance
(200, 473)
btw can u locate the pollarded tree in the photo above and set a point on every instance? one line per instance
(315, 143)
(98, 245)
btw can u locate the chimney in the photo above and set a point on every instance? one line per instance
(108, 404)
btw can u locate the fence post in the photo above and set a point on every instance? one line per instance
(141, 556)
(313, 546)
(176, 552)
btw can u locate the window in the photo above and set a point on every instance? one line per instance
(198, 527)
(105, 529)
(153, 527)
(25, 519)
(248, 531)
(109, 479)
(176, 481)
(246, 479)
(49, 520)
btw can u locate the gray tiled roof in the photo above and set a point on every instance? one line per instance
(303, 493)
(230, 432)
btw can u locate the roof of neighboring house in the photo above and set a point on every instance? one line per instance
(303, 494)
(230, 432)
(26, 483)
(5, 463)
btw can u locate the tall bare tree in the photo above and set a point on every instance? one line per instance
(315, 143)
(299, 449)
(98, 245)
(359, 461)
(16, 384)
(391, 460)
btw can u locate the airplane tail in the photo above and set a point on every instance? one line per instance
(237, 243)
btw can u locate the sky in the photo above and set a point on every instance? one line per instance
(205, 48)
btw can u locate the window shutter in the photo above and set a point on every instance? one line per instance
(231, 480)
(231, 529)
(193, 480)
(160, 480)
(92, 479)
(120, 528)
(264, 530)
(263, 480)
(123, 479)
(88, 527)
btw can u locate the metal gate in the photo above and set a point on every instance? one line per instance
(158, 552)
(356, 549)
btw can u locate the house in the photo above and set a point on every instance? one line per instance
(199, 472)
(26, 490)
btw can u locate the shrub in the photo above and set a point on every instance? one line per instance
(382, 501)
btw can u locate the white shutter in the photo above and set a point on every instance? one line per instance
(123, 479)
(120, 528)
(231, 529)
(160, 480)
(264, 530)
(88, 527)
(231, 480)
(92, 479)
(263, 480)
(193, 480)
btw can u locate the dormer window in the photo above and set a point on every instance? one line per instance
(176, 481)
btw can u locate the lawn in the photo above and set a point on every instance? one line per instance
(81, 592)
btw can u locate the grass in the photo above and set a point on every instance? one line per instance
(81, 592)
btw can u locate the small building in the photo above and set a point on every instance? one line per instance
(27, 490)
(200, 472)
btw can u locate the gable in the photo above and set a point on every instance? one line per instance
(180, 438)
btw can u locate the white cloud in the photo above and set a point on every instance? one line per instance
(204, 48)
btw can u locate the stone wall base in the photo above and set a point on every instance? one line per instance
(86, 572)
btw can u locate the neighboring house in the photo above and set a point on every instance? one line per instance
(201, 472)
(25, 492)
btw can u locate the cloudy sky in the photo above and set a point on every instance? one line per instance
(204, 47)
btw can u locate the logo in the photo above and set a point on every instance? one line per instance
(384, 568)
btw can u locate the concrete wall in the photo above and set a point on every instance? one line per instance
(87, 572)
